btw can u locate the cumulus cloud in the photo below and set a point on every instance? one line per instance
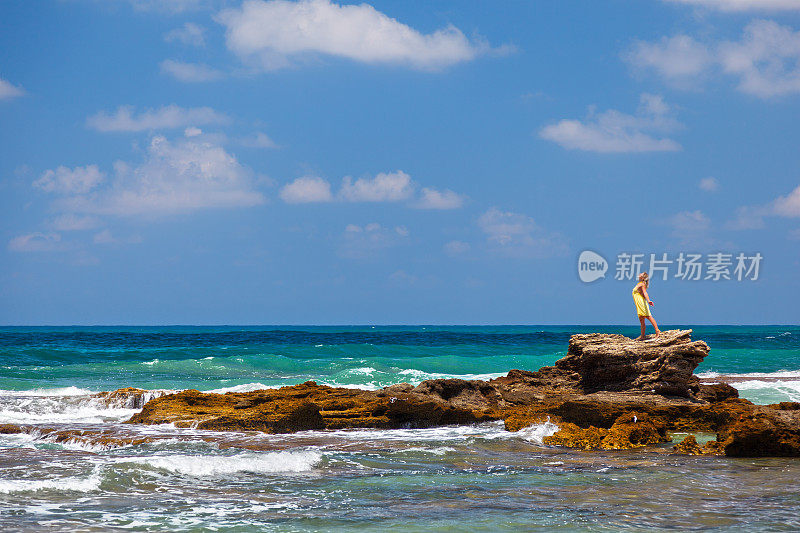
(65, 180)
(789, 205)
(765, 60)
(184, 176)
(190, 72)
(679, 59)
(8, 91)
(189, 34)
(36, 242)
(306, 190)
(435, 199)
(361, 242)
(125, 118)
(273, 34)
(615, 132)
(709, 184)
(752, 216)
(517, 234)
(744, 5)
(385, 187)
(691, 228)
(258, 140)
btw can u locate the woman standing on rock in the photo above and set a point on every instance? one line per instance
(641, 299)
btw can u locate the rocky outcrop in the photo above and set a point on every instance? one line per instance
(307, 406)
(631, 430)
(762, 432)
(663, 364)
(609, 392)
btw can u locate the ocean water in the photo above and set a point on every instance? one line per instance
(469, 478)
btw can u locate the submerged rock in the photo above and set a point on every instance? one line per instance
(609, 392)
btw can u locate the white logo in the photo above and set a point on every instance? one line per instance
(591, 266)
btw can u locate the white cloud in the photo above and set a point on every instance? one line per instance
(36, 242)
(679, 59)
(306, 190)
(456, 247)
(615, 132)
(361, 242)
(766, 60)
(517, 234)
(752, 216)
(184, 176)
(258, 140)
(73, 222)
(691, 228)
(789, 205)
(165, 117)
(749, 217)
(385, 187)
(435, 199)
(104, 237)
(189, 34)
(190, 72)
(273, 34)
(65, 180)
(169, 6)
(709, 184)
(401, 277)
(744, 5)
(8, 91)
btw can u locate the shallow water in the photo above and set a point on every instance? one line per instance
(468, 478)
(465, 478)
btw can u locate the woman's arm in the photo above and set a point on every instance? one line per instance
(646, 296)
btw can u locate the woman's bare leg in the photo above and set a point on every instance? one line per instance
(641, 321)
(653, 321)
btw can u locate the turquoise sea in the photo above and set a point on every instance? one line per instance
(474, 478)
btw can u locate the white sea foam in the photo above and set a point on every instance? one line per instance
(246, 387)
(74, 484)
(262, 463)
(418, 376)
(488, 430)
(439, 450)
(60, 391)
(762, 387)
(769, 375)
(70, 404)
(758, 391)
(537, 432)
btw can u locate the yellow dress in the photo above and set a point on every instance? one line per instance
(642, 309)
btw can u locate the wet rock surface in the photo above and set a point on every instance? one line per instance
(609, 392)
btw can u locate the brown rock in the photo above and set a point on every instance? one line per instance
(631, 430)
(304, 407)
(688, 446)
(763, 432)
(663, 365)
(609, 392)
(718, 392)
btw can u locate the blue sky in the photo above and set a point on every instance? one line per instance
(272, 162)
